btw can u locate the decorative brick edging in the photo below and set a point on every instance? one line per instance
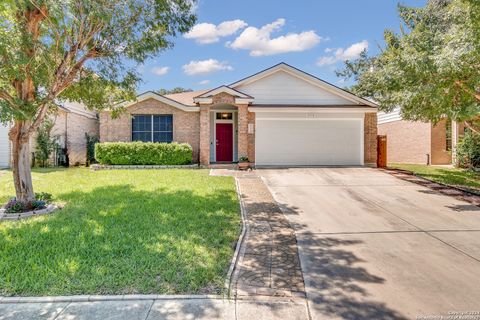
(234, 262)
(456, 192)
(91, 298)
(96, 167)
(17, 216)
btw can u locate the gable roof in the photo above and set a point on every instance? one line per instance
(153, 95)
(239, 96)
(306, 77)
(77, 108)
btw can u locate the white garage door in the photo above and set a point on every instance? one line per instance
(304, 142)
(4, 147)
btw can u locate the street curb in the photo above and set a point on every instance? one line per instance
(96, 298)
(235, 258)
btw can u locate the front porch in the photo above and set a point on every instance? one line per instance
(224, 130)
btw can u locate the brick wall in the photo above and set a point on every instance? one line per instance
(407, 141)
(370, 139)
(440, 155)
(242, 131)
(251, 138)
(186, 125)
(223, 97)
(70, 129)
(204, 134)
(77, 126)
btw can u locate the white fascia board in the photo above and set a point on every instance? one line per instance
(314, 109)
(223, 89)
(244, 100)
(203, 100)
(210, 100)
(158, 97)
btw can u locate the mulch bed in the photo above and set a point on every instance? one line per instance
(456, 192)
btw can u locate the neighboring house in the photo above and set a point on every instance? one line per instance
(4, 146)
(72, 121)
(279, 116)
(418, 142)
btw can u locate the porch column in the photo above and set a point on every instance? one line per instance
(242, 130)
(204, 134)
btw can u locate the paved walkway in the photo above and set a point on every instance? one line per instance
(269, 263)
(164, 309)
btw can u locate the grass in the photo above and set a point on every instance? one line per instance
(121, 232)
(449, 176)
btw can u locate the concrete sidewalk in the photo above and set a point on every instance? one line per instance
(162, 309)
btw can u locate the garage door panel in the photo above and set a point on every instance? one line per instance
(309, 142)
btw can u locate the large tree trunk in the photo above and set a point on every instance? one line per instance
(22, 175)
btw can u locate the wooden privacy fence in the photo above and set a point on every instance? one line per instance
(381, 151)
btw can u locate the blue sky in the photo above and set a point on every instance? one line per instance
(234, 39)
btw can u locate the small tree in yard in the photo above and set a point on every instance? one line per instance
(431, 70)
(46, 143)
(76, 50)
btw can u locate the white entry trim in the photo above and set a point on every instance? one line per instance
(232, 121)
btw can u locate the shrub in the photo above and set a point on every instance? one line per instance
(46, 143)
(468, 151)
(14, 206)
(40, 202)
(91, 141)
(143, 153)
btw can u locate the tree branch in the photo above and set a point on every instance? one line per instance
(462, 86)
(7, 97)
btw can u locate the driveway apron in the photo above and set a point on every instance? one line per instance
(373, 246)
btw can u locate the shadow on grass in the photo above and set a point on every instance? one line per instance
(118, 240)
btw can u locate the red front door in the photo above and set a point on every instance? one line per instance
(224, 142)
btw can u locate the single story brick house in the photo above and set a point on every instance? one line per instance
(419, 142)
(280, 116)
(72, 122)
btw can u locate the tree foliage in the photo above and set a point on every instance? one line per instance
(431, 69)
(46, 143)
(174, 90)
(78, 50)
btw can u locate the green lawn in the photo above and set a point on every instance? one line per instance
(450, 176)
(122, 232)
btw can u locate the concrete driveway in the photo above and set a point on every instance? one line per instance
(376, 247)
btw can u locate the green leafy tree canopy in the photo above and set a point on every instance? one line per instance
(431, 69)
(76, 50)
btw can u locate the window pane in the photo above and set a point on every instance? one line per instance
(163, 123)
(142, 128)
(224, 116)
(141, 123)
(162, 137)
(142, 136)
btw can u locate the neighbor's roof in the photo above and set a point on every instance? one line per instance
(78, 108)
(186, 98)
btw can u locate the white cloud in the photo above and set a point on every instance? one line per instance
(341, 54)
(204, 82)
(160, 71)
(260, 43)
(205, 33)
(205, 66)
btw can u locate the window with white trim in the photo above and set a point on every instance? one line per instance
(152, 128)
